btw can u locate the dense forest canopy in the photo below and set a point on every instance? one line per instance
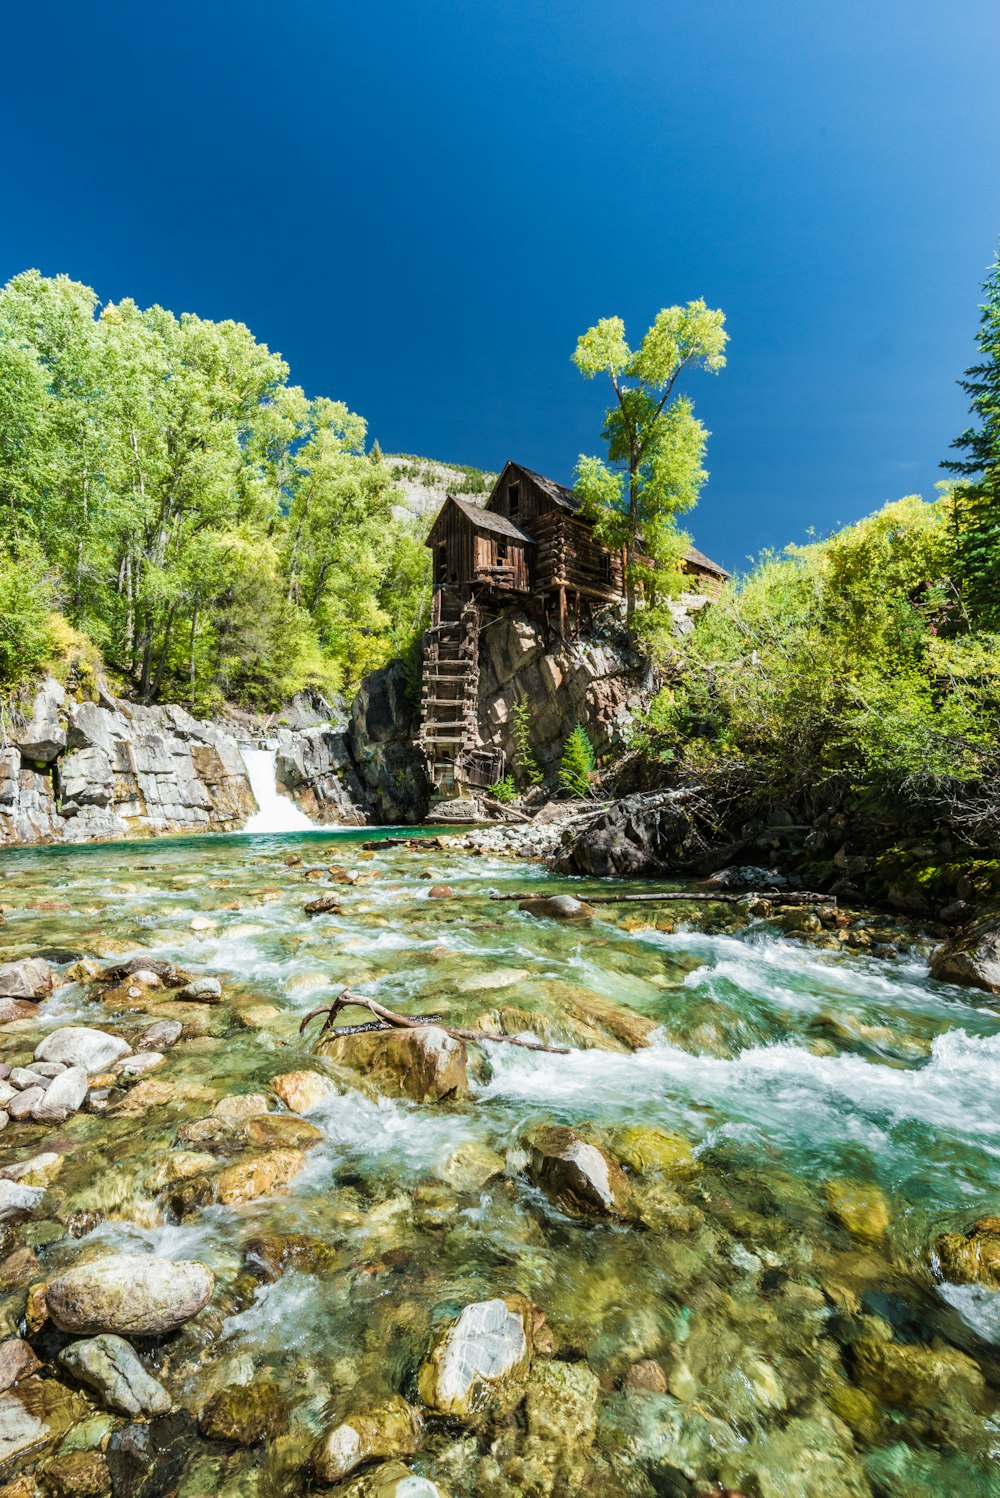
(212, 531)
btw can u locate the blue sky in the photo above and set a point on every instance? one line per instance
(422, 205)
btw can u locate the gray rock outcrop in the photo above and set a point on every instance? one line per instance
(971, 956)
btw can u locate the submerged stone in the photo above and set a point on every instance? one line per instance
(244, 1181)
(913, 1377)
(109, 1366)
(479, 1361)
(651, 1151)
(389, 1429)
(859, 1207)
(129, 1294)
(244, 1414)
(78, 1474)
(561, 1403)
(278, 1131)
(271, 1254)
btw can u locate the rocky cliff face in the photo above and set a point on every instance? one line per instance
(77, 771)
(597, 681)
(83, 771)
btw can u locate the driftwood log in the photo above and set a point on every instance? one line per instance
(386, 1019)
(725, 897)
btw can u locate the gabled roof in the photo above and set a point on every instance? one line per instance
(483, 520)
(698, 559)
(558, 493)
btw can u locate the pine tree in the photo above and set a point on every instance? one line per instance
(578, 763)
(977, 495)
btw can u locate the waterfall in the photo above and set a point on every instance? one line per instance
(276, 812)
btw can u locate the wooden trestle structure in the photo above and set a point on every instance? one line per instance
(529, 542)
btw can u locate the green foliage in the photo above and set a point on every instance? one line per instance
(578, 763)
(505, 790)
(26, 601)
(525, 762)
(844, 659)
(655, 445)
(214, 531)
(976, 499)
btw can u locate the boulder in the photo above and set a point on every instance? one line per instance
(78, 1045)
(302, 1090)
(652, 1151)
(972, 1258)
(558, 908)
(393, 1480)
(389, 1429)
(324, 905)
(31, 978)
(579, 1176)
(108, 1365)
(22, 1105)
(971, 957)
(479, 1361)
(637, 836)
(244, 1181)
(270, 1255)
(129, 1295)
(425, 1064)
(63, 1096)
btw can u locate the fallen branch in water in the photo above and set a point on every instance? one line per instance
(390, 1021)
(725, 897)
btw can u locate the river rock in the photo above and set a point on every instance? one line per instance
(270, 1255)
(78, 1474)
(160, 1036)
(30, 978)
(558, 908)
(652, 1151)
(108, 1365)
(389, 1429)
(137, 1066)
(561, 1403)
(35, 1414)
(244, 1181)
(63, 1096)
(201, 991)
(859, 1207)
(324, 905)
(129, 1295)
(23, 1104)
(470, 1166)
(915, 1377)
(270, 1131)
(235, 1107)
(425, 1064)
(244, 1414)
(23, 1077)
(393, 1480)
(17, 1361)
(971, 957)
(480, 1360)
(78, 1045)
(972, 1257)
(578, 1175)
(302, 1090)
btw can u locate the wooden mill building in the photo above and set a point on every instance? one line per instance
(529, 544)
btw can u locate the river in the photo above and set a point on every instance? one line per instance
(830, 1113)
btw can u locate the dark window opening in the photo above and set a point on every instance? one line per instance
(441, 571)
(501, 551)
(605, 567)
(513, 500)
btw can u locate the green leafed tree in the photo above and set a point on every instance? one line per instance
(578, 763)
(976, 497)
(654, 468)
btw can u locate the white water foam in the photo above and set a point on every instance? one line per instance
(275, 811)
